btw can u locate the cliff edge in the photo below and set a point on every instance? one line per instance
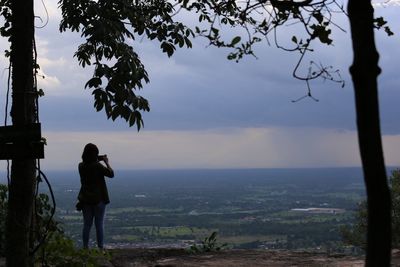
(229, 258)
(245, 258)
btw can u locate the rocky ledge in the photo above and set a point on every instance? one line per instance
(246, 258)
(233, 258)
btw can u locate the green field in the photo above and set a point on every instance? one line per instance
(248, 211)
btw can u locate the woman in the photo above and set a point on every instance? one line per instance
(93, 196)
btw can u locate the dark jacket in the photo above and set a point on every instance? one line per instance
(93, 185)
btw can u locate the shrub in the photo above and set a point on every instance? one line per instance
(54, 248)
(356, 234)
(209, 244)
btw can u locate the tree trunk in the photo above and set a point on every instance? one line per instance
(365, 71)
(22, 187)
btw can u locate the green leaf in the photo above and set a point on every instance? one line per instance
(139, 121)
(388, 31)
(40, 92)
(235, 40)
(167, 48)
(318, 16)
(294, 39)
(379, 21)
(132, 119)
(188, 42)
(232, 56)
(98, 105)
(94, 82)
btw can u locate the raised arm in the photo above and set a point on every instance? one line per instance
(109, 172)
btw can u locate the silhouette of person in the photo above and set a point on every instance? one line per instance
(93, 195)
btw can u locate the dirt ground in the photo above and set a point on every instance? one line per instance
(229, 258)
(245, 258)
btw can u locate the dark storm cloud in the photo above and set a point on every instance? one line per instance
(200, 89)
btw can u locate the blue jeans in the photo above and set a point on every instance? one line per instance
(95, 212)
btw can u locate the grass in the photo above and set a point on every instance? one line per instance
(130, 238)
(177, 232)
(170, 232)
(237, 240)
(141, 209)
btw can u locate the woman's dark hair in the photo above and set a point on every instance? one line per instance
(90, 153)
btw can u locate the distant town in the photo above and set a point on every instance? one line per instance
(320, 210)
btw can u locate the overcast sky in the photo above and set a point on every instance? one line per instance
(208, 112)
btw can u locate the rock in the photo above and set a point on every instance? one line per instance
(245, 258)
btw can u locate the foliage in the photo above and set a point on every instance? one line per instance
(55, 248)
(310, 21)
(3, 213)
(394, 183)
(109, 28)
(380, 23)
(209, 244)
(44, 222)
(60, 251)
(356, 234)
(5, 28)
